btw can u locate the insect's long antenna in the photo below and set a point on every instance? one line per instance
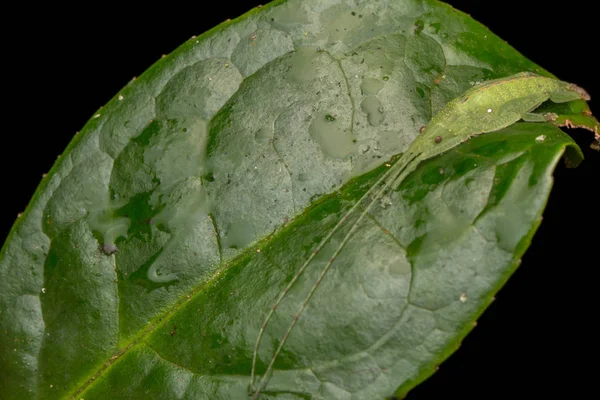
(386, 186)
(303, 267)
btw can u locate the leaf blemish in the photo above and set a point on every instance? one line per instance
(109, 248)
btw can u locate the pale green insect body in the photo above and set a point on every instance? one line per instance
(487, 107)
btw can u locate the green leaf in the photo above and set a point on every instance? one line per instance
(247, 138)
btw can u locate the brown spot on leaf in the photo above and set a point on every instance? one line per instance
(109, 248)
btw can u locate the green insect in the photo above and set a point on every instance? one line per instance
(487, 107)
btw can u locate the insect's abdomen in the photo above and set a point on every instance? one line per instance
(484, 108)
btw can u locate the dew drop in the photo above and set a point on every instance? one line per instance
(331, 136)
(239, 234)
(371, 86)
(264, 134)
(419, 25)
(372, 106)
(302, 177)
(435, 27)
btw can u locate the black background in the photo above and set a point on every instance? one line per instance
(61, 64)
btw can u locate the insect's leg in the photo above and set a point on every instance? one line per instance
(533, 117)
(308, 261)
(393, 178)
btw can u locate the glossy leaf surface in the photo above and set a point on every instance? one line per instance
(222, 149)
